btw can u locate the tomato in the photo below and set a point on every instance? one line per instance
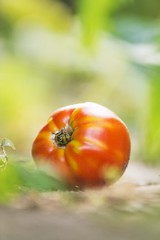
(86, 144)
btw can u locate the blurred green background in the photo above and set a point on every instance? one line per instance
(59, 52)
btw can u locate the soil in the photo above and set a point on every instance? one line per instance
(129, 209)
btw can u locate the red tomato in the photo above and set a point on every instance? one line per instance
(87, 144)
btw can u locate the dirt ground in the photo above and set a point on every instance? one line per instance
(129, 209)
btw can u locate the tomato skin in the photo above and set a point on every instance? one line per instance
(98, 151)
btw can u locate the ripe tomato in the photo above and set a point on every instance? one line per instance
(87, 144)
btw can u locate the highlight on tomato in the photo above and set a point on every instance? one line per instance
(86, 144)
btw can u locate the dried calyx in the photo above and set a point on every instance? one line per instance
(62, 137)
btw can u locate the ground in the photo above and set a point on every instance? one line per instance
(129, 209)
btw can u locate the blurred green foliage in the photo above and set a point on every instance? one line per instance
(46, 63)
(151, 129)
(93, 15)
(9, 183)
(20, 177)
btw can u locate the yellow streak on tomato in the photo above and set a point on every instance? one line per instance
(108, 125)
(90, 119)
(73, 164)
(97, 143)
(51, 125)
(111, 173)
(83, 120)
(44, 134)
(49, 120)
(61, 154)
(76, 146)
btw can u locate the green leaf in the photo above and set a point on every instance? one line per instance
(18, 176)
(34, 179)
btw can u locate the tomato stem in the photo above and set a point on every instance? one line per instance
(62, 137)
